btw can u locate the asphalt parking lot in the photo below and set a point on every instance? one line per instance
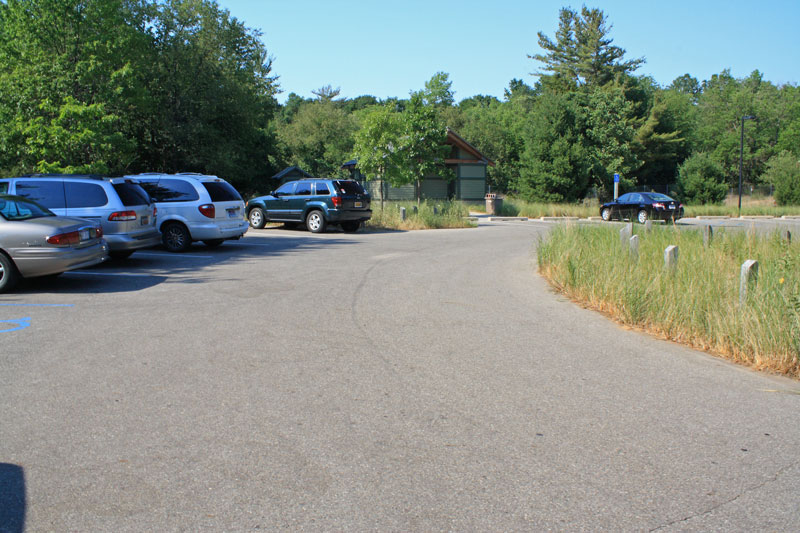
(409, 381)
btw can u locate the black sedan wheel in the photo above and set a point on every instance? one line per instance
(642, 216)
(606, 214)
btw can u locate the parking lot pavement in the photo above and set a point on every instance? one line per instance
(372, 381)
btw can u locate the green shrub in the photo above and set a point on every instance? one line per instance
(783, 171)
(701, 180)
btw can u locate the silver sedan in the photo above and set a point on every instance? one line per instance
(35, 242)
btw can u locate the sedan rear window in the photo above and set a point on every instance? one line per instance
(349, 187)
(132, 194)
(168, 190)
(16, 209)
(221, 191)
(656, 197)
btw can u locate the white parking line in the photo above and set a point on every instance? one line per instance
(90, 273)
(169, 254)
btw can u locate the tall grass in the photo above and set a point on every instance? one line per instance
(698, 302)
(448, 215)
(515, 207)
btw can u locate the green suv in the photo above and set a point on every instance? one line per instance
(313, 202)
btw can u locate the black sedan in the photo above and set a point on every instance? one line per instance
(642, 206)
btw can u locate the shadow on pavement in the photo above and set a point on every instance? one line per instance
(12, 498)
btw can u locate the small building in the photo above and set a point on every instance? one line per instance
(290, 174)
(467, 163)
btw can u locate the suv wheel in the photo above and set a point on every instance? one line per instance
(257, 218)
(176, 237)
(315, 221)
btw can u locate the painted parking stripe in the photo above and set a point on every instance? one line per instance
(19, 323)
(90, 273)
(37, 305)
(167, 254)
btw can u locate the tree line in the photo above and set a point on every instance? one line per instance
(120, 86)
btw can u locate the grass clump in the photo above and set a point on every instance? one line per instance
(698, 302)
(448, 215)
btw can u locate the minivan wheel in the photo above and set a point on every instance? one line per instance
(176, 237)
(315, 222)
(642, 216)
(257, 219)
(9, 277)
(351, 226)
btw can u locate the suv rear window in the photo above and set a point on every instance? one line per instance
(168, 190)
(131, 194)
(84, 194)
(221, 191)
(349, 187)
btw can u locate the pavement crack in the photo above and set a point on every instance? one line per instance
(713, 508)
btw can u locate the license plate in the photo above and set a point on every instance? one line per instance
(233, 213)
(672, 206)
(145, 220)
(85, 236)
(358, 204)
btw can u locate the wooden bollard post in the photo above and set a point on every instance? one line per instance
(786, 235)
(436, 210)
(414, 209)
(748, 276)
(402, 213)
(671, 257)
(634, 247)
(648, 226)
(708, 235)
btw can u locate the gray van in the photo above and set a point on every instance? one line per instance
(123, 209)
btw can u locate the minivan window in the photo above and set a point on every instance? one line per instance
(349, 187)
(221, 191)
(49, 193)
(168, 190)
(84, 194)
(303, 189)
(131, 194)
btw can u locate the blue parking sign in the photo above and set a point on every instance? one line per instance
(616, 178)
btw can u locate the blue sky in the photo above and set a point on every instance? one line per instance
(391, 48)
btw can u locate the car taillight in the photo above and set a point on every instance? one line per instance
(155, 211)
(98, 231)
(337, 201)
(65, 239)
(658, 205)
(208, 210)
(121, 216)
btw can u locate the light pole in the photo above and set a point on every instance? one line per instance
(741, 159)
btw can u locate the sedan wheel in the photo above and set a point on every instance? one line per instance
(257, 218)
(315, 222)
(642, 216)
(606, 214)
(176, 238)
(8, 273)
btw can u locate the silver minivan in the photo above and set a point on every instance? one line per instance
(124, 210)
(194, 207)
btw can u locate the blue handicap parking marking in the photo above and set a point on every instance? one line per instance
(18, 323)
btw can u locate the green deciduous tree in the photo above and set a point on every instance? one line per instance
(783, 171)
(701, 180)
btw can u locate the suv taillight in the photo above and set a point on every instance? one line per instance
(337, 201)
(208, 210)
(121, 216)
